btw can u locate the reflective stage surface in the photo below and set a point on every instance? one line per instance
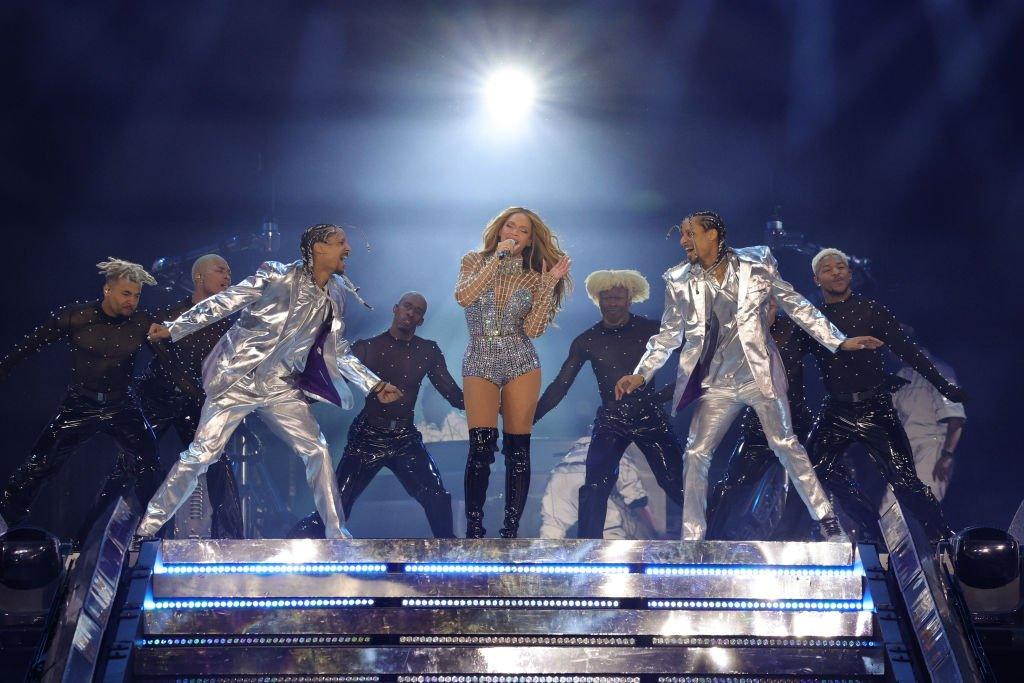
(415, 609)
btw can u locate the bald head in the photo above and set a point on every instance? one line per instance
(211, 275)
(408, 315)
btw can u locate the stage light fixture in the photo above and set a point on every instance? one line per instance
(988, 566)
(509, 95)
(29, 558)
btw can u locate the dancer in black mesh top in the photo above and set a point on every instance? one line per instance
(613, 346)
(105, 337)
(166, 406)
(752, 456)
(858, 406)
(384, 435)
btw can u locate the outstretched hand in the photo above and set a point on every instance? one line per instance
(861, 343)
(389, 393)
(627, 385)
(158, 332)
(559, 270)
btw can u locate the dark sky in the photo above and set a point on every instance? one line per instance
(890, 130)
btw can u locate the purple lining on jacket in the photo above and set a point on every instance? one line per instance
(315, 378)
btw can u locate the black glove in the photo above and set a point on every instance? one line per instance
(954, 393)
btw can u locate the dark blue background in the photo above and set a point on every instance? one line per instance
(890, 130)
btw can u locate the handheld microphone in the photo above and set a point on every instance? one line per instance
(504, 254)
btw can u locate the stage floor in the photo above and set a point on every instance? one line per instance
(505, 610)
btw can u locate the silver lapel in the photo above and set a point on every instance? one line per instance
(744, 281)
(700, 301)
(333, 297)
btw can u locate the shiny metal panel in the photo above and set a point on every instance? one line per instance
(406, 550)
(427, 621)
(925, 615)
(89, 598)
(509, 660)
(781, 586)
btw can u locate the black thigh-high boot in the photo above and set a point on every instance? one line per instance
(516, 448)
(482, 445)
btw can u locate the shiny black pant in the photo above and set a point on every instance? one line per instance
(165, 410)
(875, 424)
(79, 419)
(615, 426)
(401, 450)
(744, 504)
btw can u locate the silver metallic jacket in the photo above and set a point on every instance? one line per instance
(268, 300)
(686, 317)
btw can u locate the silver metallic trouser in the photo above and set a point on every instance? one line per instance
(717, 408)
(286, 412)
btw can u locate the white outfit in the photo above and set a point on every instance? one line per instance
(559, 508)
(923, 411)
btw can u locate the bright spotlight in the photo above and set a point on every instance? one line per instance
(509, 96)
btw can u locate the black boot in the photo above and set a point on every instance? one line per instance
(593, 508)
(308, 527)
(482, 445)
(516, 448)
(438, 507)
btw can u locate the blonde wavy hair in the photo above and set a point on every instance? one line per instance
(115, 269)
(544, 247)
(603, 280)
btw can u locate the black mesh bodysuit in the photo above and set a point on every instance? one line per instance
(859, 408)
(99, 399)
(637, 418)
(384, 435)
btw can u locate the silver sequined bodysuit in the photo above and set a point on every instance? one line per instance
(505, 306)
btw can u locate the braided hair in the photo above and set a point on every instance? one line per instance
(711, 220)
(319, 233)
(313, 235)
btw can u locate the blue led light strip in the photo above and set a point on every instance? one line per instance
(727, 570)
(786, 605)
(274, 568)
(233, 603)
(506, 602)
(248, 640)
(509, 568)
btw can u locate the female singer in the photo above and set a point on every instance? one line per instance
(511, 290)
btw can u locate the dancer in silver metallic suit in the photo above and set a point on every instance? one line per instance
(510, 295)
(287, 345)
(716, 302)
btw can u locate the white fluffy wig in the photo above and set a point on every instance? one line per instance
(603, 280)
